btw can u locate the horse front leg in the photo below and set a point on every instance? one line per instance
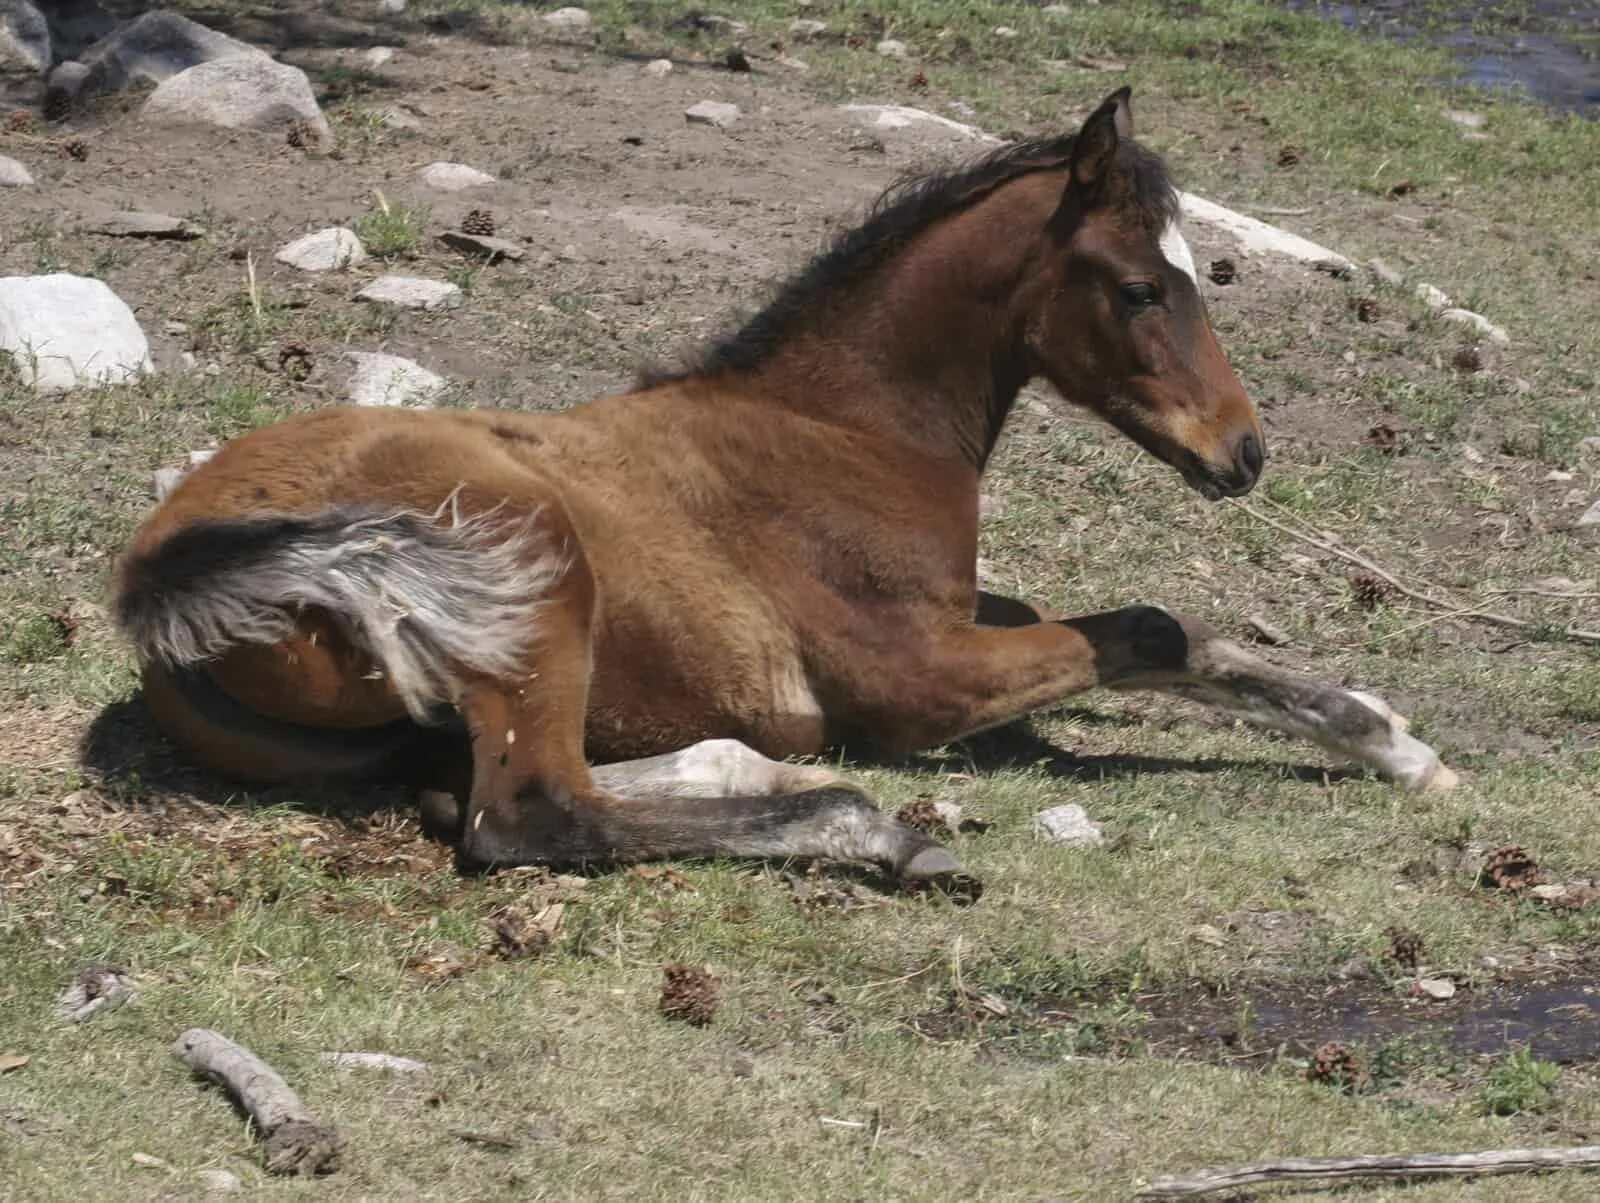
(975, 677)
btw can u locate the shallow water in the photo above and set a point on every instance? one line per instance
(1547, 49)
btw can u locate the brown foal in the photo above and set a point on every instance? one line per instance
(755, 558)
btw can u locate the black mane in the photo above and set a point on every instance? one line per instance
(902, 211)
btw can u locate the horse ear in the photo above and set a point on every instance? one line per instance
(1096, 143)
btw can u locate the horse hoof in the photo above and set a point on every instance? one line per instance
(935, 870)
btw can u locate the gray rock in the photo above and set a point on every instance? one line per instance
(658, 68)
(1589, 519)
(241, 92)
(411, 292)
(63, 85)
(218, 1179)
(390, 8)
(569, 20)
(96, 989)
(712, 112)
(378, 56)
(149, 49)
(391, 380)
(75, 25)
(164, 480)
(891, 48)
(1466, 119)
(1006, 32)
(1433, 298)
(483, 245)
(903, 117)
(64, 331)
(324, 251)
(454, 177)
(400, 118)
(807, 28)
(13, 174)
(134, 224)
(24, 35)
(1068, 824)
(1589, 447)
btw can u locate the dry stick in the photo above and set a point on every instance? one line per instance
(297, 1143)
(1361, 561)
(1384, 1165)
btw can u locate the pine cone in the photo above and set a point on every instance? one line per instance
(1288, 155)
(302, 134)
(1405, 947)
(689, 994)
(294, 361)
(1368, 591)
(1511, 867)
(479, 222)
(18, 121)
(923, 816)
(1336, 1065)
(1223, 271)
(76, 148)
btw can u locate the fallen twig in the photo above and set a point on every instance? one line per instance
(1383, 1165)
(296, 1142)
(1323, 541)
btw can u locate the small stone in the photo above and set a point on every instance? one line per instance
(96, 989)
(1590, 518)
(218, 1180)
(64, 332)
(1385, 274)
(807, 28)
(1438, 988)
(1589, 447)
(485, 245)
(378, 56)
(380, 379)
(398, 117)
(327, 250)
(569, 20)
(13, 174)
(164, 480)
(390, 8)
(1004, 31)
(243, 91)
(203, 456)
(133, 224)
(1056, 10)
(892, 48)
(712, 112)
(1465, 317)
(658, 68)
(454, 177)
(1068, 824)
(1432, 297)
(1466, 119)
(411, 292)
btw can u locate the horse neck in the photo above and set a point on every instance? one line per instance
(927, 349)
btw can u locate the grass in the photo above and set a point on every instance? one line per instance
(869, 1045)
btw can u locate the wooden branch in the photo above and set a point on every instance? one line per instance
(296, 1142)
(1325, 543)
(1385, 1165)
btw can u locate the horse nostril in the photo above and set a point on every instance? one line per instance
(1251, 455)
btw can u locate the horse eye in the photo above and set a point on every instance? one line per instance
(1140, 296)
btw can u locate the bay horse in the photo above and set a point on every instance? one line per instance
(594, 635)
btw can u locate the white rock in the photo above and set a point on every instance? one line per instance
(398, 117)
(219, 1179)
(203, 456)
(454, 177)
(164, 480)
(324, 250)
(378, 56)
(712, 112)
(1004, 31)
(1465, 119)
(149, 49)
(1432, 297)
(1255, 235)
(807, 27)
(13, 174)
(899, 117)
(658, 67)
(1385, 273)
(380, 379)
(891, 48)
(1068, 824)
(64, 331)
(390, 8)
(399, 1065)
(1465, 317)
(133, 223)
(239, 92)
(24, 35)
(1439, 988)
(570, 20)
(1590, 518)
(411, 292)
(1056, 10)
